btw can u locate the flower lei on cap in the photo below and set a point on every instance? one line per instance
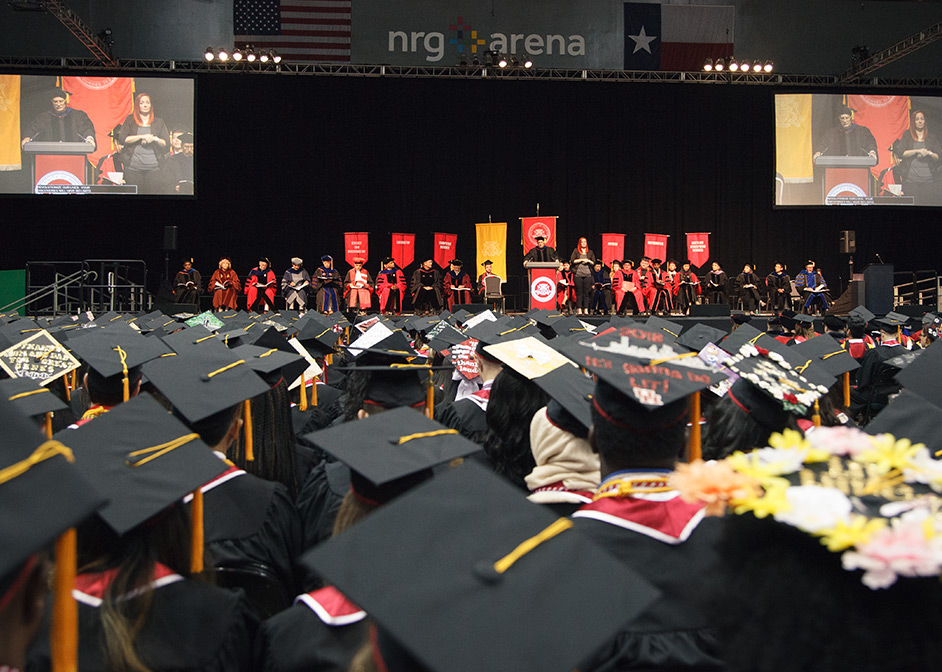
(873, 499)
(773, 374)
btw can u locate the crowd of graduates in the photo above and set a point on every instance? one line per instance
(470, 491)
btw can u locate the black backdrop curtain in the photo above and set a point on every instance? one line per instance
(287, 164)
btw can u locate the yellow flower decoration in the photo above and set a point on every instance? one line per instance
(848, 535)
(772, 502)
(887, 453)
(748, 464)
(789, 438)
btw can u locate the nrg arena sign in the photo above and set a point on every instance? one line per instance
(467, 42)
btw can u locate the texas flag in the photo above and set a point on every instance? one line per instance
(676, 37)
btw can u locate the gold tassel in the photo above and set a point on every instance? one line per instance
(816, 418)
(847, 389)
(430, 397)
(314, 392)
(47, 425)
(247, 427)
(196, 532)
(68, 394)
(64, 636)
(303, 402)
(694, 450)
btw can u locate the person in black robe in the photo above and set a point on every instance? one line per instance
(875, 378)
(847, 138)
(60, 124)
(747, 288)
(688, 288)
(601, 289)
(426, 289)
(186, 284)
(779, 287)
(716, 282)
(179, 167)
(469, 414)
(541, 252)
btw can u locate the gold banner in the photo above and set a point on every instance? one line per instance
(793, 137)
(10, 122)
(492, 244)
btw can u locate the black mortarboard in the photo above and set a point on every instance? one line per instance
(194, 340)
(318, 337)
(570, 325)
(834, 323)
(803, 320)
(659, 324)
(43, 495)
(739, 317)
(828, 354)
(749, 334)
(272, 363)
(862, 313)
(142, 458)
(544, 316)
(465, 553)
(572, 390)
(29, 397)
(926, 378)
(456, 262)
(201, 384)
(697, 337)
(391, 451)
(486, 262)
(912, 416)
(886, 324)
(775, 374)
(446, 338)
(102, 350)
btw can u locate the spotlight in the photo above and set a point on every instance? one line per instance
(223, 55)
(757, 66)
(527, 63)
(475, 60)
(733, 65)
(263, 57)
(768, 66)
(514, 63)
(719, 65)
(275, 57)
(744, 66)
(209, 55)
(237, 55)
(463, 61)
(708, 65)
(250, 55)
(502, 62)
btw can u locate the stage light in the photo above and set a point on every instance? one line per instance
(223, 55)
(250, 55)
(744, 66)
(757, 66)
(263, 57)
(475, 60)
(275, 57)
(733, 65)
(719, 65)
(527, 63)
(501, 61)
(209, 55)
(514, 63)
(463, 61)
(237, 55)
(708, 65)
(768, 66)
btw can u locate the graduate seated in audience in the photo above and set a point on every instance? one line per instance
(875, 379)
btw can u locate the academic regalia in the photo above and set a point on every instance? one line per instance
(644, 282)
(110, 163)
(357, 289)
(319, 500)
(747, 287)
(297, 293)
(426, 299)
(805, 283)
(191, 626)
(601, 285)
(322, 632)
(779, 287)
(224, 298)
(688, 289)
(875, 382)
(663, 291)
(541, 254)
(255, 279)
(716, 286)
(467, 415)
(327, 284)
(565, 290)
(391, 289)
(451, 281)
(480, 284)
(623, 284)
(186, 286)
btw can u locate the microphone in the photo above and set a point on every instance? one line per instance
(880, 259)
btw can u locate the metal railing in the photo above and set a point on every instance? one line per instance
(917, 288)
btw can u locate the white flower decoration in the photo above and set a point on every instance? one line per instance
(924, 469)
(815, 508)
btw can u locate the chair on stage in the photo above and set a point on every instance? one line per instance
(795, 298)
(493, 292)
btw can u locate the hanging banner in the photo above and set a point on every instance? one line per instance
(531, 227)
(492, 244)
(445, 246)
(107, 101)
(10, 122)
(698, 248)
(356, 246)
(887, 117)
(613, 247)
(403, 249)
(655, 245)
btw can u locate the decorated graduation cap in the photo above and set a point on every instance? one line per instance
(465, 553)
(44, 495)
(749, 334)
(777, 377)
(391, 452)
(529, 356)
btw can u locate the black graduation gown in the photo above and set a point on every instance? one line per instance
(673, 633)
(749, 295)
(320, 498)
(191, 626)
(466, 416)
(184, 294)
(778, 301)
(248, 519)
(311, 636)
(875, 382)
(716, 286)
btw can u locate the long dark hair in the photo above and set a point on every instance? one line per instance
(730, 429)
(272, 440)
(912, 119)
(511, 406)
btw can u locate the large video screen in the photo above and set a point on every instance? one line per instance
(112, 136)
(858, 149)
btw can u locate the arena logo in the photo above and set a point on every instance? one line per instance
(469, 41)
(542, 289)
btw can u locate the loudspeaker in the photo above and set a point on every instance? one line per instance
(878, 280)
(710, 310)
(848, 242)
(170, 238)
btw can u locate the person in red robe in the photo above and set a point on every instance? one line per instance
(390, 287)
(224, 286)
(260, 278)
(488, 272)
(457, 285)
(644, 280)
(565, 288)
(357, 287)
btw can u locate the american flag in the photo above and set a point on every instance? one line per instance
(299, 30)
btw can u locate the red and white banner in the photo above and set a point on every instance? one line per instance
(106, 101)
(655, 245)
(531, 227)
(403, 249)
(887, 117)
(698, 248)
(613, 247)
(356, 246)
(445, 246)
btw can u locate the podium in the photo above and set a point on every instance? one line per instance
(846, 179)
(542, 285)
(59, 167)
(878, 288)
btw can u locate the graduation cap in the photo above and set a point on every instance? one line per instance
(113, 351)
(828, 354)
(446, 338)
(544, 316)
(391, 452)
(572, 391)
(272, 363)
(749, 334)
(926, 378)
(659, 324)
(910, 415)
(697, 337)
(886, 323)
(465, 553)
(194, 340)
(31, 399)
(528, 356)
(834, 323)
(568, 326)
(861, 313)
(739, 317)
(318, 337)
(775, 375)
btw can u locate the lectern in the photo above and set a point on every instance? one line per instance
(542, 286)
(846, 178)
(58, 163)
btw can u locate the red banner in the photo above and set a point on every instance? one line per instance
(403, 249)
(698, 248)
(106, 101)
(356, 246)
(655, 246)
(887, 117)
(613, 247)
(531, 227)
(445, 246)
